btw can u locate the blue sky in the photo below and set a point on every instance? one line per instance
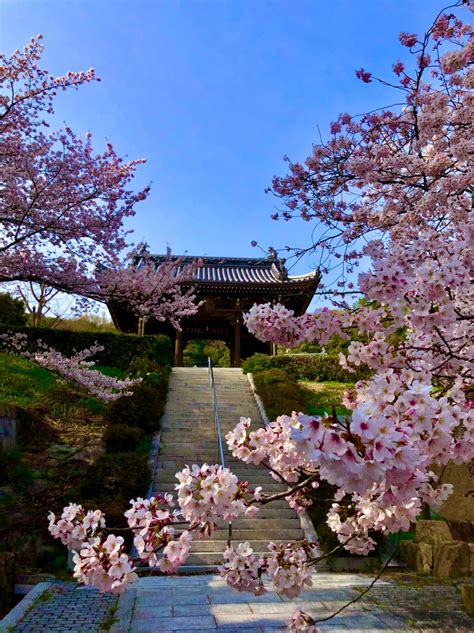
(213, 93)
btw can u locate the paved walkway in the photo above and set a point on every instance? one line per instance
(182, 604)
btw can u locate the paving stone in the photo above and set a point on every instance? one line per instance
(208, 609)
(238, 630)
(222, 596)
(145, 612)
(287, 608)
(230, 620)
(173, 624)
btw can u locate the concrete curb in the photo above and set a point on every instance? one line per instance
(258, 400)
(22, 608)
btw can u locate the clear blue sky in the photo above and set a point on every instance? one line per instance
(213, 93)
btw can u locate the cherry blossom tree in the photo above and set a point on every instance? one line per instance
(161, 291)
(395, 187)
(62, 205)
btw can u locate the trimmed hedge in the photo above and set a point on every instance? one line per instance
(142, 410)
(281, 394)
(318, 367)
(119, 349)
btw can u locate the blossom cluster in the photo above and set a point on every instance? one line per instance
(78, 368)
(301, 622)
(208, 494)
(242, 569)
(278, 324)
(379, 460)
(285, 566)
(102, 563)
(153, 523)
(75, 525)
(160, 291)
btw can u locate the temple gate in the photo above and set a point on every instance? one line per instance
(229, 286)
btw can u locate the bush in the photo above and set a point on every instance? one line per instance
(143, 409)
(151, 372)
(124, 475)
(13, 471)
(257, 362)
(121, 438)
(322, 368)
(271, 377)
(281, 394)
(119, 349)
(318, 367)
(12, 311)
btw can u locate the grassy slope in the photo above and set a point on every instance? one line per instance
(322, 396)
(22, 382)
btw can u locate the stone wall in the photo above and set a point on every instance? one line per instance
(8, 426)
(441, 551)
(460, 505)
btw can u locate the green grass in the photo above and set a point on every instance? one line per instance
(26, 385)
(23, 383)
(321, 397)
(115, 372)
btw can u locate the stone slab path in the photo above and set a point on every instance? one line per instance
(203, 603)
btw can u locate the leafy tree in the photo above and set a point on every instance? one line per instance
(218, 352)
(12, 311)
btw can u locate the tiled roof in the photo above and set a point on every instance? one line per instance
(242, 270)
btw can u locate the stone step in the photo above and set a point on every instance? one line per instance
(219, 546)
(189, 437)
(261, 534)
(254, 523)
(169, 487)
(169, 475)
(207, 558)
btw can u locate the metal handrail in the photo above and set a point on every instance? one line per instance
(217, 424)
(215, 406)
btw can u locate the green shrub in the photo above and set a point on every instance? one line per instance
(123, 475)
(320, 367)
(257, 362)
(151, 372)
(119, 349)
(13, 471)
(272, 376)
(121, 438)
(317, 367)
(143, 409)
(281, 394)
(12, 311)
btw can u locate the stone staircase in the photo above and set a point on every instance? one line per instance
(188, 437)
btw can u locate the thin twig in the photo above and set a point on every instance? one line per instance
(388, 561)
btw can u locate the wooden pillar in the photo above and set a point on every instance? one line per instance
(273, 349)
(178, 349)
(141, 326)
(236, 346)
